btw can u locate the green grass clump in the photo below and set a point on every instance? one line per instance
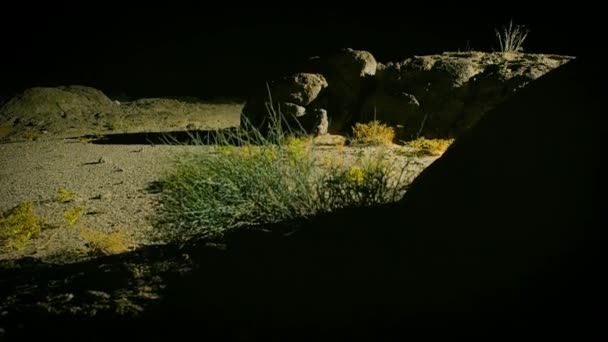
(251, 179)
(367, 182)
(233, 187)
(18, 226)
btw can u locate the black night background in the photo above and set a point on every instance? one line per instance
(211, 51)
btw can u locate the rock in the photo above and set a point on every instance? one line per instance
(315, 122)
(455, 90)
(443, 94)
(290, 93)
(291, 110)
(532, 223)
(394, 109)
(349, 74)
(300, 89)
(330, 140)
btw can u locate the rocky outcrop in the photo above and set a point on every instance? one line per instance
(436, 96)
(287, 96)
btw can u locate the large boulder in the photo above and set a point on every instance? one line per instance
(507, 222)
(454, 90)
(350, 75)
(287, 96)
(437, 95)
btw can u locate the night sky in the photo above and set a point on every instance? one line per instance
(211, 52)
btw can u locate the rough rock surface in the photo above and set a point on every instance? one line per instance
(435, 96)
(289, 95)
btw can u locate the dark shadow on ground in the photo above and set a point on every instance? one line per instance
(195, 137)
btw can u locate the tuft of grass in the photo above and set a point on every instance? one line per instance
(373, 133)
(18, 226)
(430, 147)
(104, 243)
(252, 179)
(367, 182)
(31, 135)
(64, 196)
(512, 38)
(72, 215)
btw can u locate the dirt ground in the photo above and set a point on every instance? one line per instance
(111, 181)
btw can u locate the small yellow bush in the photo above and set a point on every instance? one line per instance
(73, 214)
(373, 133)
(64, 195)
(356, 175)
(432, 147)
(18, 226)
(297, 147)
(103, 243)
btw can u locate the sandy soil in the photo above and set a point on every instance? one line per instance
(111, 183)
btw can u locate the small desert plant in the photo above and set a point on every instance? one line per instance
(18, 226)
(72, 215)
(368, 182)
(31, 135)
(511, 38)
(105, 243)
(373, 133)
(64, 195)
(432, 147)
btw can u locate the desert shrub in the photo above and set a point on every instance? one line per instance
(72, 215)
(18, 226)
(368, 182)
(431, 147)
(64, 196)
(373, 133)
(105, 243)
(512, 38)
(234, 187)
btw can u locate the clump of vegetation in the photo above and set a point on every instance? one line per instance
(72, 215)
(512, 38)
(373, 133)
(18, 226)
(31, 135)
(105, 243)
(252, 179)
(64, 196)
(368, 182)
(235, 187)
(430, 147)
